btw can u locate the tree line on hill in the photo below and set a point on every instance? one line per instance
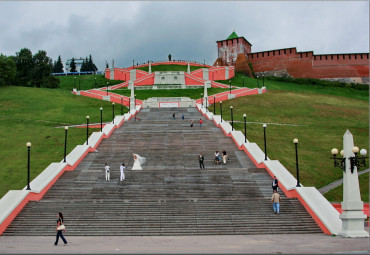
(27, 69)
(34, 70)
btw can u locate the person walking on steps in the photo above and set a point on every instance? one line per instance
(276, 199)
(107, 172)
(173, 116)
(201, 160)
(200, 122)
(275, 184)
(60, 228)
(122, 170)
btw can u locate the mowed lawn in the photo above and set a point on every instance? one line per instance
(319, 121)
(32, 115)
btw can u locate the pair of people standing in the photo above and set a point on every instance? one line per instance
(107, 172)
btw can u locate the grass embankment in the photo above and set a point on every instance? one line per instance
(31, 115)
(191, 93)
(164, 68)
(336, 194)
(84, 82)
(317, 117)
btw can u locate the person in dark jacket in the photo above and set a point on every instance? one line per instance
(275, 184)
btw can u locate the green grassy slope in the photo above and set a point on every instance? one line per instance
(32, 115)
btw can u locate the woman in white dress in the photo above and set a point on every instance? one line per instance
(138, 161)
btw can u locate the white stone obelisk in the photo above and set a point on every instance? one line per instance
(352, 216)
(132, 97)
(150, 67)
(112, 71)
(205, 103)
(188, 68)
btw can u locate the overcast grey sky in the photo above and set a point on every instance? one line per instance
(150, 30)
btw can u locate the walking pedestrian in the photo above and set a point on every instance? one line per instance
(217, 157)
(225, 156)
(201, 161)
(60, 228)
(173, 116)
(276, 199)
(183, 117)
(122, 170)
(107, 172)
(191, 123)
(275, 184)
(200, 122)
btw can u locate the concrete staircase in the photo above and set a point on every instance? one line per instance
(171, 195)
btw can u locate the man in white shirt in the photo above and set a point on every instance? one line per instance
(122, 170)
(107, 172)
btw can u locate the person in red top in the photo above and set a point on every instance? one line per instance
(200, 122)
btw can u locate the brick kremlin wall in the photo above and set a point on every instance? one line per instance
(307, 65)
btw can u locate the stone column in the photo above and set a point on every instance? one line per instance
(112, 71)
(132, 97)
(352, 216)
(205, 74)
(188, 68)
(133, 75)
(205, 104)
(226, 73)
(150, 67)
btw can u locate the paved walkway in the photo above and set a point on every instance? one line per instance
(337, 183)
(230, 244)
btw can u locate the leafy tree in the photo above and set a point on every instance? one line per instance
(83, 66)
(7, 70)
(41, 69)
(73, 66)
(24, 64)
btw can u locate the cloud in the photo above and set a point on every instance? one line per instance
(143, 31)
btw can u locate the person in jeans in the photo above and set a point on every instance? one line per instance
(59, 232)
(276, 199)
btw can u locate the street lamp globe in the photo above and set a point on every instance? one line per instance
(231, 107)
(342, 153)
(363, 152)
(264, 125)
(28, 144)
(244, 115)
(334, 151)
(87, 117)
(295, 140)
(355, 149)
(66, 128)
(101, 108)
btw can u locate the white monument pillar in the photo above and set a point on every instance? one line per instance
(188, 68)
(132, 97)
(226, 73)
(132, 75)
(352, 216)
(205, 103)
(112, 71)
(150, 67)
